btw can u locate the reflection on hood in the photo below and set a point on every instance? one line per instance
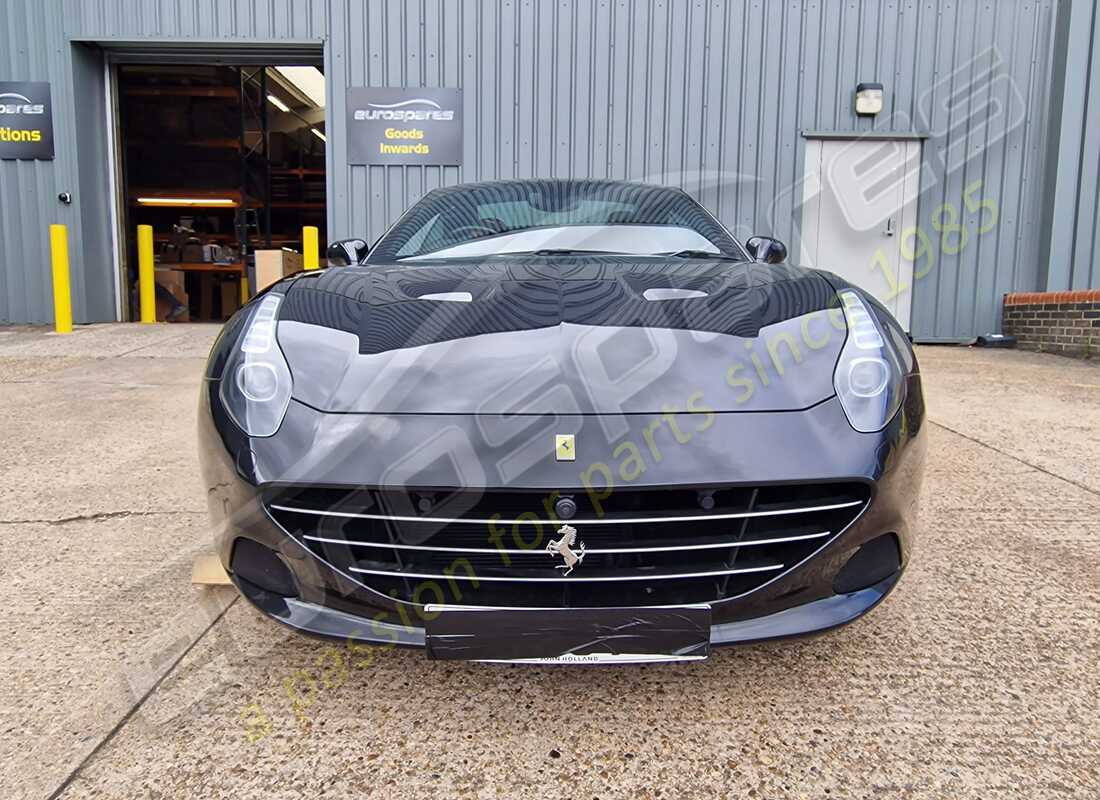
(387, 308)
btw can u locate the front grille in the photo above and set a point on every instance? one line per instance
(641, 547)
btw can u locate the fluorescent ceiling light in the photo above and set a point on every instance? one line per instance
(307, 80)
(187, 201)
(318, 134)
(279, 104)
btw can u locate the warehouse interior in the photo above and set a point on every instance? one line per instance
(221, 161)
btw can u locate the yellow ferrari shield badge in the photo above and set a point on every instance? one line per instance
(565, 447)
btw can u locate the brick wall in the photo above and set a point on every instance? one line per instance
(1055, 322)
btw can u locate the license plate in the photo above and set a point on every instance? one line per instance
(568, 635)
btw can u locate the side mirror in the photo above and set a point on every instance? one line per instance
(766, 249)
(347, 251)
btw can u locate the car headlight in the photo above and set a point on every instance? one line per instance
(869, 379)
(256, 382)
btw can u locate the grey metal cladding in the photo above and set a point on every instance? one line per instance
(708, 96)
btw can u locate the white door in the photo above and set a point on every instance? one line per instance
(859, 202)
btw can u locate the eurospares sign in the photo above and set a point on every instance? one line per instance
(26, 120)
(404, 126)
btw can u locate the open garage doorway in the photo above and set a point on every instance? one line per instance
(222, 161)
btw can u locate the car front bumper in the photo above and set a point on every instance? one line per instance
(812, 445)
(815, 617)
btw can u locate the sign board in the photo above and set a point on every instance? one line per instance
(404, 126)
(26, 120)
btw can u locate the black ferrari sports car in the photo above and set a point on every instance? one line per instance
(562, 421)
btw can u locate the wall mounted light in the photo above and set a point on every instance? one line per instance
(318, 134)
(868, 99)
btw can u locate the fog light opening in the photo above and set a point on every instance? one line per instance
(874, 561)
(262, 568)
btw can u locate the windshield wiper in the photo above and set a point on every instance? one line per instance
(702, 254)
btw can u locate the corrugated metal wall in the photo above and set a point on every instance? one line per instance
(28, 189)
(1085, 271)
(1073, 195)
(205, 20)
(961, 295)
(37, 43)
(712, 96)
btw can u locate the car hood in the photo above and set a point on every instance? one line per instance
(561, 336)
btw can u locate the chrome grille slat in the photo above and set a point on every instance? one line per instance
(642, 547)
(591, 550)
(656, 576)
(607, 520)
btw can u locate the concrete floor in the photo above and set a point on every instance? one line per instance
(977, 678)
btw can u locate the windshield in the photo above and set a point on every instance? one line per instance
(552, 217)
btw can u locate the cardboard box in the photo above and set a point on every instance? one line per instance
(172, 280)
(230, 296)
(206, 296)
(273, 265)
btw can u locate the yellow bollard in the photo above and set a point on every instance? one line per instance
(146, 279)
(62, 295)
(244, 288)
(310, 257)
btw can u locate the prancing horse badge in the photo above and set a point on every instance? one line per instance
(564, 547)
(565, 447)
